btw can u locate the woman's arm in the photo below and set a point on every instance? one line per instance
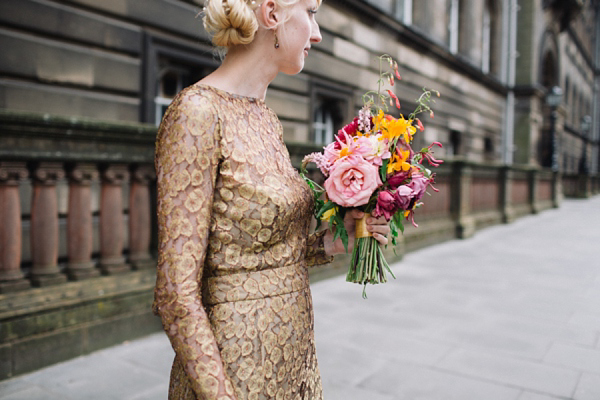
(187, 157)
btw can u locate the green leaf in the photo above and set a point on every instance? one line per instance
(324, 208)
(340, 230)
(383, 170)
(397, 219)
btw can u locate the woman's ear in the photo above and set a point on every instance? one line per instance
(269, 12)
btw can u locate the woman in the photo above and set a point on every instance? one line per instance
(232, 283)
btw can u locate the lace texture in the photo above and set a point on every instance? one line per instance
(232, 282)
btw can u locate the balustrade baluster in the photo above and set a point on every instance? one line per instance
(79, 223)
(11, 276)
(44, 225)
(140, 227)
(112, 225)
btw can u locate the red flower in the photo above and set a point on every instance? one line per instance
(420, 125)
(398, 179)
(427, 154)
(387, 205)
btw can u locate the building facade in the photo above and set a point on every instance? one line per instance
(494, 61)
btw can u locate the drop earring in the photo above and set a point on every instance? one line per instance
(276, 41)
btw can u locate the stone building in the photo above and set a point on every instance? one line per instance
(84, 83)
(494, 61)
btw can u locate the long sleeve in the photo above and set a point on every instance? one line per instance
(187, 159)
(315, 250)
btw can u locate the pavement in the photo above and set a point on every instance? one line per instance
(510, 314)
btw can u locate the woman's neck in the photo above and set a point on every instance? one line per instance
(244, 71)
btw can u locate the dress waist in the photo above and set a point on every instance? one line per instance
(253, 285)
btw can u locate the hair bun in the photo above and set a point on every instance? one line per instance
(230, 22)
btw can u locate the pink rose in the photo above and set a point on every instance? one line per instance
(352, 181)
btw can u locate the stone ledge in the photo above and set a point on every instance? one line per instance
(72, 293)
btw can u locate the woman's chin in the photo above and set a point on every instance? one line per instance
(293, 68)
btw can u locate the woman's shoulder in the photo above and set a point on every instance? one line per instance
(196, 98)
(193, 111)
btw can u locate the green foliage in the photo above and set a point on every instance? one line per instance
(383, 170)
(336, 224)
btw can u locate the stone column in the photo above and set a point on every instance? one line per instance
(461, 205)
(11, 277)
(79, 223)
(112, 224)
(508, 213)
(44, 225)
(557, 190)
(140, 218)
(534, 178)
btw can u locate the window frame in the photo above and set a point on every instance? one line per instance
(157, 46)
(337, 92)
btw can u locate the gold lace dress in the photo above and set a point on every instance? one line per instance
(234, 246)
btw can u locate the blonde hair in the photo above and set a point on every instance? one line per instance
(234, 22)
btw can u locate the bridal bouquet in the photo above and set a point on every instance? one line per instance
(371, 166)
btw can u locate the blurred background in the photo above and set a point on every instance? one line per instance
(84, 85)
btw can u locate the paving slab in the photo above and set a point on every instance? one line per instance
(588, 387)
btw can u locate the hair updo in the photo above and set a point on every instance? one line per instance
(230, 22)
(233, 22)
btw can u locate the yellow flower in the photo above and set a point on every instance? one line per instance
(328, 214)
(392, 128)
(399, 161)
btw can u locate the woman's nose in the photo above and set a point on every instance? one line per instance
(316, 37)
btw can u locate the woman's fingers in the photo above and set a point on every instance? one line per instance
(380, 238)
(380, 229)
(356, 214)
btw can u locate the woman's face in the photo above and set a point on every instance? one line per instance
(296, 35)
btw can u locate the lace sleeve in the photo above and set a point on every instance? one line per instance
(315, 250)
(187, 158)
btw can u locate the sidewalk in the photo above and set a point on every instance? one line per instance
(511, 314)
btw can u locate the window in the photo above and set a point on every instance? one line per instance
(170, 65)
(455, 143)
(171, 79)
(453, 27)
(323, 125)
(486, 40)
(403, 11)
(331, 107)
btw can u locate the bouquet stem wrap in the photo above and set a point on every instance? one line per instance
(368, 264)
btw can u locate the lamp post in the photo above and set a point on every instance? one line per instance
(553, 100)
(586, 125)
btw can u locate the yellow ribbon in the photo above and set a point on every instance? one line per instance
(361, 227)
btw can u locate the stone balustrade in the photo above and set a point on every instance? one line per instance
(75, 200)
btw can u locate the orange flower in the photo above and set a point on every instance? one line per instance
(399, 161)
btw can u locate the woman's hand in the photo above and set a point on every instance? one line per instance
(378, 226)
